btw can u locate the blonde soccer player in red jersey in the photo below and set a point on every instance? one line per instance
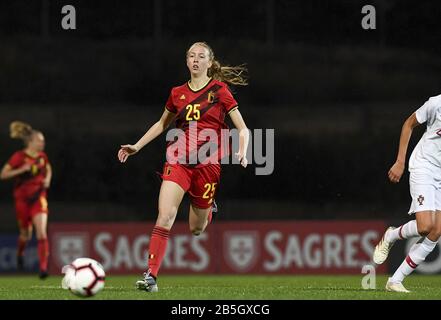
(32, 173)
(200, 104)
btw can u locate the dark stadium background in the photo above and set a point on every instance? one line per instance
(335, 94)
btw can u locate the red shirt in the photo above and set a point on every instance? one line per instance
(198, 110)
(30, 183)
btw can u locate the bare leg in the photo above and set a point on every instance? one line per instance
(198, 219)
(40, 223)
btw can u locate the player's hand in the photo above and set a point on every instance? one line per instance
(242, 159)
(396, 172)
(126, 151)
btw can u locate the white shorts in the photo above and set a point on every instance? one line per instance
(425, 191)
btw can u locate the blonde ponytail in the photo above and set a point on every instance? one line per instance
(230, 75)
(236, 75)
(20, 130)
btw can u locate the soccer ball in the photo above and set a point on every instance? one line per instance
(83, 277)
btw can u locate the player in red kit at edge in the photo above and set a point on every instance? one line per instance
(32, 175)
(201, 103)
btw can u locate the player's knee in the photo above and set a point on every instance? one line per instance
(164, 222)
(165, 218)
(196, 230)
(436, 232)
(425, 229)
(25, 235)
(41, 235)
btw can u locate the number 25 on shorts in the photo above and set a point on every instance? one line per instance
(210, 188)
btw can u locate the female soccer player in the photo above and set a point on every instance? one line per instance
(32, 174)
(425, 189)
(199, 107)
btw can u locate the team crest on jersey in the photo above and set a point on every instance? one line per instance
(420, 199)
(182, 97)
(34, 169)
(210, 98)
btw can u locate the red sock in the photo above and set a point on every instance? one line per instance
(43, 253)
(157, 246)
(21, 245)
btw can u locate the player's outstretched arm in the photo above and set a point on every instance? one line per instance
(154, 131)
(396, 171)
(244, 137)
(8, 173)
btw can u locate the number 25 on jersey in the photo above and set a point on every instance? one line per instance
(193, 112)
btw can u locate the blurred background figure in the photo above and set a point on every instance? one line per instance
(32, 174)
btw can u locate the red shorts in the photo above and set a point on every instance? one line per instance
(26, 209)
(201, 183)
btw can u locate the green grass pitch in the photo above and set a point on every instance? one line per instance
(222, 287)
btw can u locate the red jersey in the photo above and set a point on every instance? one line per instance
(196, 111)
(29, 184)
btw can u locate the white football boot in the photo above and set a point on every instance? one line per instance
(382, 248)
(395, 287)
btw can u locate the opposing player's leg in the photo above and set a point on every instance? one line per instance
(40, 222)
(423, 205)
(170, 197)
(426, 201)
(418, 252)
(419, 227)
